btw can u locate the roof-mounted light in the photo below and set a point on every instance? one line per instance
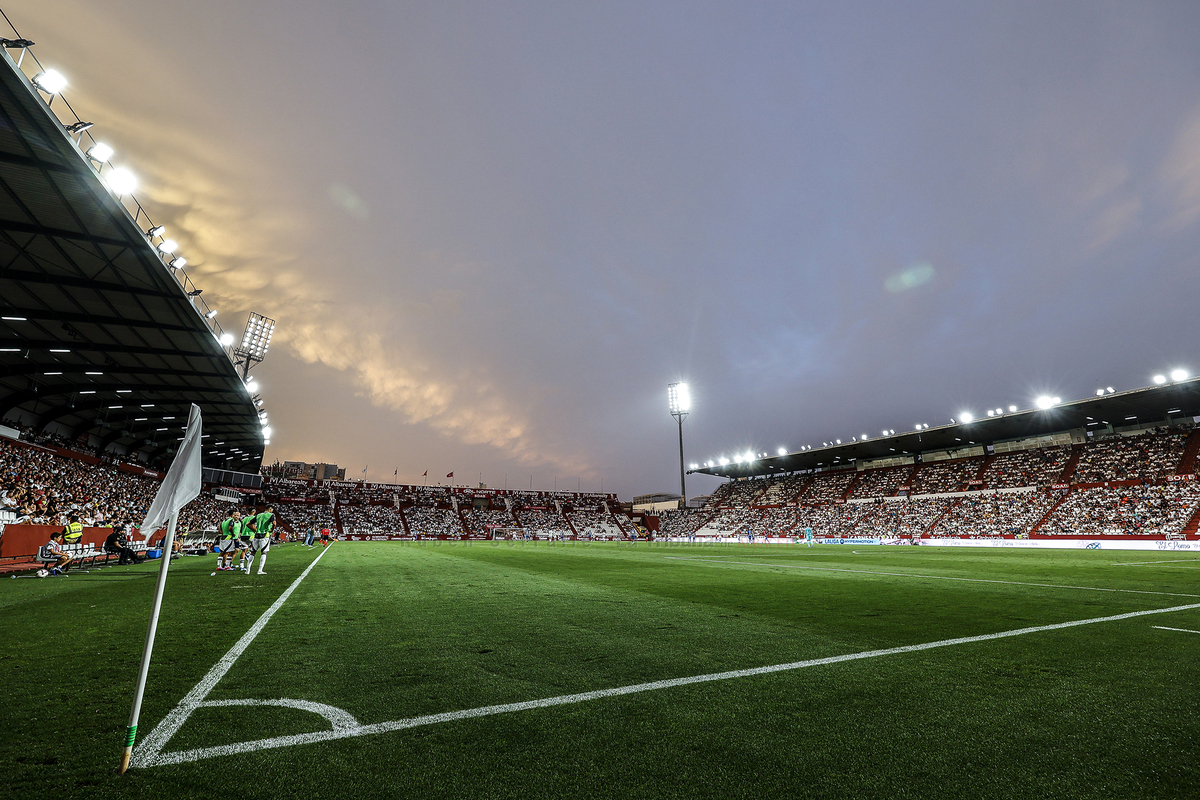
(51, 81)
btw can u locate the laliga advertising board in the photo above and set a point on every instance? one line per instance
(1157, 545)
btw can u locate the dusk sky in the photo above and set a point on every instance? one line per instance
(491, 234)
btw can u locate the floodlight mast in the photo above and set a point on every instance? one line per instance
(679, 400)
(256, 339)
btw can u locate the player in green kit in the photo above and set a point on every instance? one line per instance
(231, 529)
(263, 525)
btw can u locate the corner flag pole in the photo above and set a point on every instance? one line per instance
(144, 669)
(181, 486)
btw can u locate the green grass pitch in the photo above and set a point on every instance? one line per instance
(390, 631)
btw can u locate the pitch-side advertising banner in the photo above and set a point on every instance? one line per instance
(1173, 545)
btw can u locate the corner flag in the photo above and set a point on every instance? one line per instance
(180, 487)
(183, 482)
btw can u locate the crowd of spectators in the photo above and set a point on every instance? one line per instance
(827, 486)
(880, 482)
(543, 524)
(681, 522)
(1040, 467)
(38, 487)
(433, 521)
(992, 515)
(743, 493)
(784, 489)
(1148, 455)
(594, 525)
(906, 517)
(945, 476)
(481, 522)
(370, 519)
(303, 516)
(1146, 510)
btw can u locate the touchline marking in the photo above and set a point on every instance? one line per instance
(1168, 561)
(929, 577)
(345, 732)
(148, 750)
(1181, 630)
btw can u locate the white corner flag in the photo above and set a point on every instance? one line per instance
(183, 482)
(181, 486)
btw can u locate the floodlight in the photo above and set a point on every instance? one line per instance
(782, 451)
(79, 127)
(966, 416)
(211, 314)
(1111, 390)
(1160, 379)
(266, 431)
(51, 81)
(1011, 409)
(991, 413)
(99, 152)
(167, 246)
(693, 466)
(225, 339)
(252, 386)
(157, 230)
(179, 262)
(1179, 375)
(839, 441)
(1044, 402)
(121, 181)
(679, 399)
(1099, 393)
(15, 44)
(724, 461)
(195, 293)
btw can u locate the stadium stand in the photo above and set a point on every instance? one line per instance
(784, 490)
(370, 519)
(880, 482)
(944, 476)
(1038, 467)
(827, 486)
(433, 521)
(991, 515)
(907, 517)
(1148, 455)
(1146, 510)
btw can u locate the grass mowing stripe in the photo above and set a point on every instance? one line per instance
(145, 753)
(197, 754)
(928, 577)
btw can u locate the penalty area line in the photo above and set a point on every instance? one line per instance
(1181, 630)
(146, 752)
(184, 756)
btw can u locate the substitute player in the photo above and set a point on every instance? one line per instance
(262, 525)
(231, 530)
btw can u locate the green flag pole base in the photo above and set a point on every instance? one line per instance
(127, 753)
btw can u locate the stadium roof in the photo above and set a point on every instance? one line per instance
(97, 335)
(1122, 409)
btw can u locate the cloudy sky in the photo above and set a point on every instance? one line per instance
(491, 233)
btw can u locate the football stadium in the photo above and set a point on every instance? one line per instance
(1004, 604)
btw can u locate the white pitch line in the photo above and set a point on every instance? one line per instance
(148, 750)
(1181, 630)
(183, 756)
(1168, 561)
(928, 577)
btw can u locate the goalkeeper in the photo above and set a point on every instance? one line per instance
(262, 525)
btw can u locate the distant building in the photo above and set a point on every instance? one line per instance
(320, 471)
(661, 501)
(699, 500)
